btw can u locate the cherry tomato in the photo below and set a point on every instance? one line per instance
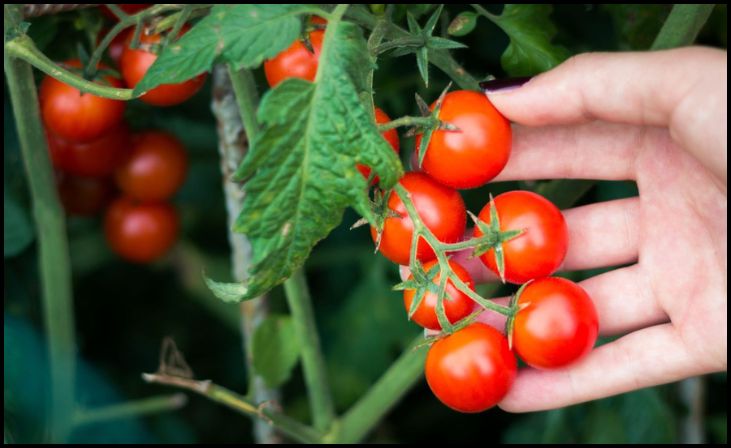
(117, 45)
(457, 305)
(472, 369)
(140, 232)
(441, 209)
(295, 62)
(135, 63)
(154, 168)
(76, 116)
(129, 9)
(391, 136)
(540, 249)
(556, 325)
(97, 158)
(84, 196)
(317, 20)
(474, 154)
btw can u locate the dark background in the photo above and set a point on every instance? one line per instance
(123, 311)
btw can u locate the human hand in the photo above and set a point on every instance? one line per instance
(659, 119)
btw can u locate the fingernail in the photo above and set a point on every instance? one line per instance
(503, 85)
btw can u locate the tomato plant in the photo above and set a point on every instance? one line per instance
(297, 61)
(77, 116)
(96, 158)
(391, 136)
(441, 209)
(542, 246)
(556, 325)
(117, 45)
(457, 305)
(472, 369)
(134, 64)
(477, 151)
(154, 168)
(140, 232)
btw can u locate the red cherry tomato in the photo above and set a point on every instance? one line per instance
(472, 369)
(556, 325)
(474, 154)
(84, 196)
(540, 249)
(140, 232)
(155, 167)
(76, 116)
(317, 20)
(441, 209)
(97, 158)
(457, 305)
(391, 137)
(135, 63)
(129, 9)
(295, 62)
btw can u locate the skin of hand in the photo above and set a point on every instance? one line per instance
(659, 119)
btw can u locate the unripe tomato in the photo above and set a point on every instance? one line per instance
(154, 168)
(540, 249)
(76, 116)
(84, 196)
(440, 208)
(474, 154)
(457, 305)
(295, 62)
(96, 158)
(557, 323)
(391, 136)
(472, 369)
(135, 63)
(140, 232)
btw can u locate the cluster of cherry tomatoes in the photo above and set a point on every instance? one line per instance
(473, 368)
(101, 165)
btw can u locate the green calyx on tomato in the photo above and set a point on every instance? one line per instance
(492, 238)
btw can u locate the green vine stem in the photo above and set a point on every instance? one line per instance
(240, 404)
(131, 409)
(408, 121)
(313, 363)
(50, 228)
(682, 26)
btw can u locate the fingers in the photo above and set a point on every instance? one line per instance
(596, 150)
(637, 88)
(602, 234)
(648, 357)
(623, 301)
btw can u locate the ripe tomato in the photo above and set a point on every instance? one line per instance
(391, 137)
(135, 63)
(140, 232)
(97, 158)
(457, 305)
(540, 249)
(84, 196)
(556, 325)
(295, 62)
(154, 168)
(474, 154)
(441, 209)
(76, 116)
(127, 8)
(472, 369)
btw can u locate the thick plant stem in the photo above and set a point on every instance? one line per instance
(240, 404)
(382, 396)
(682, 26)
(232, 147)
(313, 363)
(50, 226)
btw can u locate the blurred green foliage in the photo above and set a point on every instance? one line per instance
(123, 311)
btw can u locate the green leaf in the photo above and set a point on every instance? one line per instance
(275, 349)
(302, 165)
(530, 31)
(240, 35)
(440, 43)
(18, 231)
(228, 292)
(463, 24)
